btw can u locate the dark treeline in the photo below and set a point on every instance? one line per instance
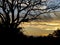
(21, 39)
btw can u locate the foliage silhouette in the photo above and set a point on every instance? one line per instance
(56, 33)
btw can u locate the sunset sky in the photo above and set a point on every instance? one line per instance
(47, 26)
(40, 28)
(48, 22)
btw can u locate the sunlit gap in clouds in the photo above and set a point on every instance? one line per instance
(43, 28)
(40, 28)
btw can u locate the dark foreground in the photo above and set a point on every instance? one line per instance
(14, 36)
(20, 39)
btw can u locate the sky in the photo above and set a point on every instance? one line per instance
(40, 28)
(53, 3)
(50, 4)
(45, 28)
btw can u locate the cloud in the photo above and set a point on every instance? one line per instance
(53, 3)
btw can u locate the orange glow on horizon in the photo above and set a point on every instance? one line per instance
(40, 28)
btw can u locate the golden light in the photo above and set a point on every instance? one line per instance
(40, 28)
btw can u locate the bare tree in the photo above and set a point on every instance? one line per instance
(13, 12)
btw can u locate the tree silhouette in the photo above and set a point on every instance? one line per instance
(13, 12)
(56, 33)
